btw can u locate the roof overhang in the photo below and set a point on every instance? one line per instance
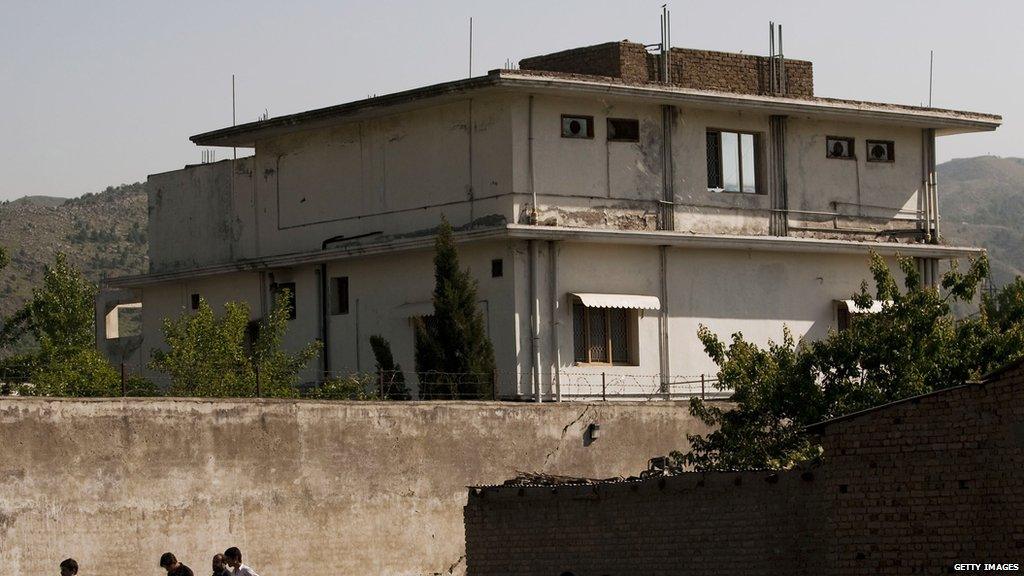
(379, 246)
(943, 121)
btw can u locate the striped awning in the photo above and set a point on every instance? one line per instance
(635, 301)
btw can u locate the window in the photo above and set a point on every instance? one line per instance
(881, 151)
(497, 268)
(733, 161)
(839, 147)
(577, 126)
(603, 335)
(290, 287)
(339, 295)
(623, 130)
(195, 301)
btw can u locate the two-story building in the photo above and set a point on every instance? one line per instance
(606, 209)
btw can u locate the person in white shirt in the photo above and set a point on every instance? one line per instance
(234, 558)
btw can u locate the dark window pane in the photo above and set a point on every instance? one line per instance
(623, 130)
(598, 337)
(619, 325)
(339, 295)
(579, 332)
(497, 268)
(195, 301)
(714, 160)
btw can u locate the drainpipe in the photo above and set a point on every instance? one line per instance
(933, 183)
(663, 350)
(668, 175)
(553, 336)
(534, 320)
(529, 160)
(324, 320)
(926, 192)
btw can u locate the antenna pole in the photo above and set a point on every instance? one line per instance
(234, 151)
(470, 46)
(931, 69)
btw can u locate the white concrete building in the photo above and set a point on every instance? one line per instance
(605, 213)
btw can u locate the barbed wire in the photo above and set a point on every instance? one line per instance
(565, 385)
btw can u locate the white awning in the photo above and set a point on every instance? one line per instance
(414, 309)
(876, 307)
(635, 301)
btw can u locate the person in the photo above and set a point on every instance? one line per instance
(234, 557)
(174, 568)
(69, 567)
(220, 566)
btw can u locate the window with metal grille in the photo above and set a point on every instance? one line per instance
(603, 335)
(733, 161)
(881, 151)
(839, 147)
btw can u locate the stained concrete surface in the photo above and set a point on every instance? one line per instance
(299, 486)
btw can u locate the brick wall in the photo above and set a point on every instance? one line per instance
(911, 488)
(689, 68)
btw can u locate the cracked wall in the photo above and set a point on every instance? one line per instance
(362, 488)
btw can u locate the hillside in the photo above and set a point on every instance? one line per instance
(981, 201)
(103, 234)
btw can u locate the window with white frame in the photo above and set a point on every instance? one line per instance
(734, 161)
(604, 335)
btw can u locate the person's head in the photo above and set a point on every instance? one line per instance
(69, 567)
(219, 563)
(233, 556)
(168, 561)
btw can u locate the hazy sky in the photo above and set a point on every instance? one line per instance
(98, 93)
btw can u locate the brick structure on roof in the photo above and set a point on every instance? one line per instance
(914, 487)
(688, 68)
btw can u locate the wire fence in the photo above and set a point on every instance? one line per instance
(563, 385)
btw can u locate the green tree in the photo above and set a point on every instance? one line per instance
(225, 356)
(389, 374)
(912, 346)
(454, 355)
(60, 318)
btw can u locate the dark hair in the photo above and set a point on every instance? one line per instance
(70, 564)
(218, 557)
(233, 553)
(167, 559)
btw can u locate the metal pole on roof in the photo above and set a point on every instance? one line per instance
(931, 69)
(470, 46)
(234, 151)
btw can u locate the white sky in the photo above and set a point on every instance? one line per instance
(99, 93)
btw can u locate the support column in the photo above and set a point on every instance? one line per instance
(667, 215)
(778, 223)
(663, 349)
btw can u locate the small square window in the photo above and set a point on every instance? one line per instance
(623, 130)
(577, 126)
(497, 268)
(839, 147)
(339, 295)
(195, 301)
(290, 287)
(881, 151)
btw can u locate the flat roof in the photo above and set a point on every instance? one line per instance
(533, 81)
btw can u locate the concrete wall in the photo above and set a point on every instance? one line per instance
(756, 293)
(600, 184)
(917, 487)
(350, 488)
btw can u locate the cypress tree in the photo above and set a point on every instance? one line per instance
(389, 374)
(454, 356)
